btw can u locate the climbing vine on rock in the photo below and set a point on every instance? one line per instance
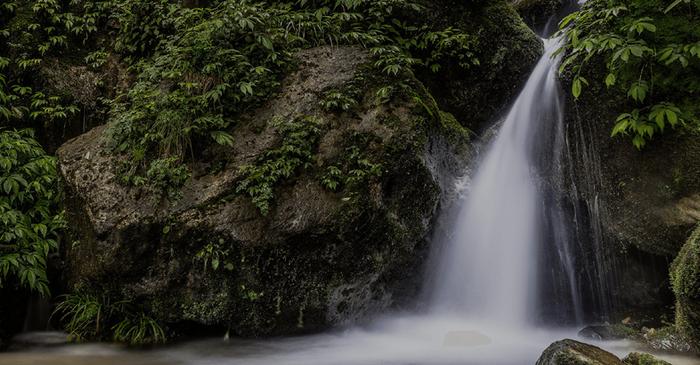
(651, 51)
(30, 217)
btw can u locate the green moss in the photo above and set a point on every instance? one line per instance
(685, 281)
(637, 358)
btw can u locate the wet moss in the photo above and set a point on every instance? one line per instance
(685, 280)
(637, 358)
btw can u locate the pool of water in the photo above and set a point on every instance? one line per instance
(404, 340)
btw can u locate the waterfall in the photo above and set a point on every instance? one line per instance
(491, 267)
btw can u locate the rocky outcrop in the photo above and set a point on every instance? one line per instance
(319, 258)
(570, 352)
(685, 279)
(507, 51)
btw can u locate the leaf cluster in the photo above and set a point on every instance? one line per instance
(30, 217)
(651, 52)
(299, 138)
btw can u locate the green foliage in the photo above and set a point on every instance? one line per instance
(354, 169)
(214, 63)
(637, 358)
(138, 329)
(163, 176)
(30, 218)
(299, 139)
(215, 256)
(651, 50)
(89, 316)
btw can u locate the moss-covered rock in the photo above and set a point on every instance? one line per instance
(570, 352)
(685, 279)
(637, 358)
(507, 51)
(325, 254)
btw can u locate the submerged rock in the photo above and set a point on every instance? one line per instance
(39, 339)
(606, 332)
(685, 279)
(465, 339)
(320, 257)
(570, 352)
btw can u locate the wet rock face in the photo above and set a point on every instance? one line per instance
(685, 279)
(570, 352)
(319, 258)
(639, 206)
(648, 199)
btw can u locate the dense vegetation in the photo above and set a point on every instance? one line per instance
(651, 51)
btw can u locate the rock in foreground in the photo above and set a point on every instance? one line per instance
(570, 352)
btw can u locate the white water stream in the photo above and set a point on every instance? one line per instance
(488, 268)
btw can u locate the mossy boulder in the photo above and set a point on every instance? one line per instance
(570, 352)
(323, 255)
(507, 51)
(637, 358)
(685, 279)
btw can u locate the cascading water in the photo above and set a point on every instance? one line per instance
(489, 266)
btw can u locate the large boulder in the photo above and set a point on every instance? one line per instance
(685, 279)
(320, 257)
(570, 352)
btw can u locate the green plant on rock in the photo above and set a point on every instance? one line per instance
(215, 256)
(30, 217)
(214, 63)
(354, 169)
(299, 137)
(83, 314)
(138, 329)
(651, 54)
(90, 316)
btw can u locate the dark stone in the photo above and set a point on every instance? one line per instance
(570, 352)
